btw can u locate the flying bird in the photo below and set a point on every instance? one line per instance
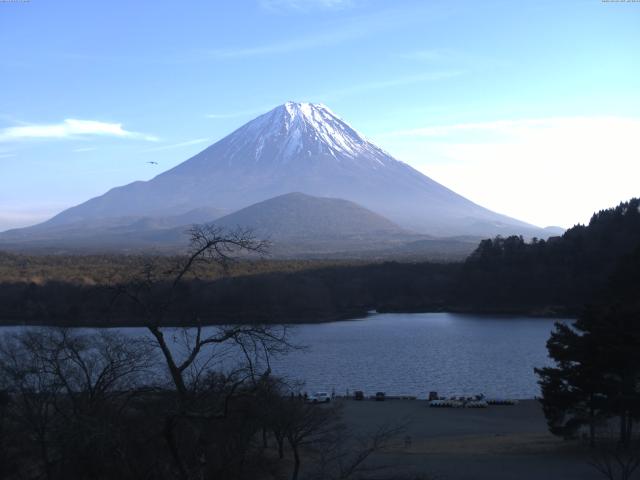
(153, 163)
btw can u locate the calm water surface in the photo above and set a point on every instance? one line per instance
(412, 354)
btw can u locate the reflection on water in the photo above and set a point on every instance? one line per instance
(412, 354)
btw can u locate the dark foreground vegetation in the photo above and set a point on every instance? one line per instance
(98, 406)
(594, 389)
(504, 275)
(180, 404)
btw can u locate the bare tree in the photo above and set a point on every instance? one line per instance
(191, 352)
(156, 294)
(92, 369)
(343, 455)
(307, 424)
(317, 433)
(5, 461)
(34, 393)
(68, 391)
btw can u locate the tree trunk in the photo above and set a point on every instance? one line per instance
(44, 452)
(173, 448)
(592, 425)
(176, 374)
(625, 428)
(280, 447)
(296, 461)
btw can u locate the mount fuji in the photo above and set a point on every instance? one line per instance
(296, 147)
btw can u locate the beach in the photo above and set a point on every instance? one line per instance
(498, 442)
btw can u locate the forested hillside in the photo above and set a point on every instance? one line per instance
(562, 273)
(504, 275)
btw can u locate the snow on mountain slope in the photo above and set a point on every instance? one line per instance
(299, 147)
(308, 129)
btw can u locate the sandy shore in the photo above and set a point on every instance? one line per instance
(500, 442)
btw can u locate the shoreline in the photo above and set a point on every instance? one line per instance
(339, 317)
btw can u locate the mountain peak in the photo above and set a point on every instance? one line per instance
(296, 130)
(298, 147)
(304, 107)
(308, 112)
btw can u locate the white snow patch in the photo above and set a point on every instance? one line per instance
(295, 129)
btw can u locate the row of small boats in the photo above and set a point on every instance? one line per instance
(469, 402)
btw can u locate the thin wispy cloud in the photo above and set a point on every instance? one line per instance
(331, 34)
(187, 143)
(289, 46)
(84, 149)
(69, 129)
(390, 83)
(448, 57)
(305, 5)
(7, 155)
(325, 34)
(431, 55)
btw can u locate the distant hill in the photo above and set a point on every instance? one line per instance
(164, 234)
(81, 231)
(305, 226)
(298, 226)
(299, 216)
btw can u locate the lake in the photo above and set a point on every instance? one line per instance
(412, 354)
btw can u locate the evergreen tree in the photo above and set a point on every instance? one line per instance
(597, 372)
(573, 391)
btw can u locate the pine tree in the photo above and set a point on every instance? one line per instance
(597, 372)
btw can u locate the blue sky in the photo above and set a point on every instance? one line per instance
(530, 108)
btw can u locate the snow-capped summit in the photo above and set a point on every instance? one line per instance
(297, 130)
(298, 147)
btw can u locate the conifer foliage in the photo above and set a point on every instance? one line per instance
(597, 372)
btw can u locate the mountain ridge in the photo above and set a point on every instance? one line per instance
(295, 147)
